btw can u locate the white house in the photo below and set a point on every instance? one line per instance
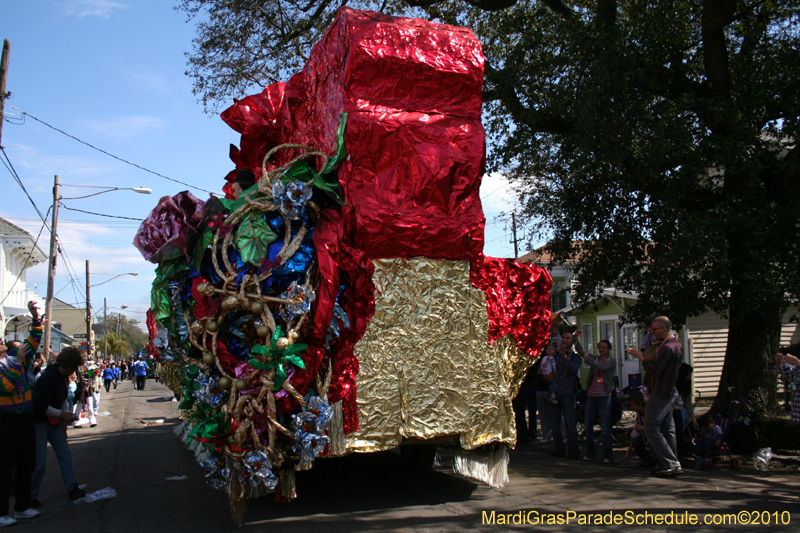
(18, 253)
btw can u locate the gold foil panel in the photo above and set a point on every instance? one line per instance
(426, 369)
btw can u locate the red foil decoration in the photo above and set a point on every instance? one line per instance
(412, 92)
(517, 300)
(416, 152)
(204, 306)
(152, 333)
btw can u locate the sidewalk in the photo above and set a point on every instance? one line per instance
(368, 492)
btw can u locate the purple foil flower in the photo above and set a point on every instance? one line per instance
(164, 234)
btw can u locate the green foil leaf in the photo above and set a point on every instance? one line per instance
(253, 238)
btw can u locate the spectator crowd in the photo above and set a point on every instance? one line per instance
(39, 401)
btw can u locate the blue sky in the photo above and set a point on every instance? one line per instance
(111, 73)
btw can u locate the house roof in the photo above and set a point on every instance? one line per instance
(61, 304)
(60, 333)
(7, 228)
(607, 293)
(541, 255)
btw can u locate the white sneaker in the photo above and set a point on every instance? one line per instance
(7, 521)
(27, 513)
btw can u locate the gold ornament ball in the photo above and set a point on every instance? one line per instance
(209, 359)
(241, 384)
(263, 331)
(282, 343)
(257, 308)
(197, 327)
(212, 326)
(224, 383)
(224, 306)
(294, 336)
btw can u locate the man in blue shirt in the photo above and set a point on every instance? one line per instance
(140, 371)
(567, 366)
(117, 373)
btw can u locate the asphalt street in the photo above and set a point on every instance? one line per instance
(134, 450)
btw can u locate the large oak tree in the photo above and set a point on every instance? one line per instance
(656, 141)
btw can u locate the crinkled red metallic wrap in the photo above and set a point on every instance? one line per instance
(152, 333)
(517, 300)
(412, 92)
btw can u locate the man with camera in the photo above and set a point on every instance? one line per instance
(658, 421)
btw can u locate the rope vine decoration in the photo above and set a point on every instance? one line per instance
(254, 396)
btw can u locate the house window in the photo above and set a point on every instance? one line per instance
(587, 340)
(608, 332)
(558, 297)
(630, 337)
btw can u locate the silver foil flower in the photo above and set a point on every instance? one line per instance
(310, 426)
(217, 470)
(302, 296)
(209, 391)
(257, 470)
(292, 197)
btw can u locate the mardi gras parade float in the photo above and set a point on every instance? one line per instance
(342, 303)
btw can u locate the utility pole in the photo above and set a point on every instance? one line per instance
(88, 315)
(3, 74)
(51, 269)
(514, 231)
(105, 327)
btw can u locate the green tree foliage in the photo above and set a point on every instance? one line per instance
(125, 335)
(245, 44)
(654, 141)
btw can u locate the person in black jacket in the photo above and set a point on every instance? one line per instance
(52, 416)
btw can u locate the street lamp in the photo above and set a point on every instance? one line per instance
(134, 273)
(140, 190)
(51, 271)
(89, 306)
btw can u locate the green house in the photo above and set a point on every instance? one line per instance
(704, 338)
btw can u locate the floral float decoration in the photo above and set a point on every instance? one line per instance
(234, 287)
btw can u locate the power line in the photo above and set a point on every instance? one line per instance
(112, 155)
(99, 214)
(61, 250)
(13, 171)
(27, 260)
(494, 191)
